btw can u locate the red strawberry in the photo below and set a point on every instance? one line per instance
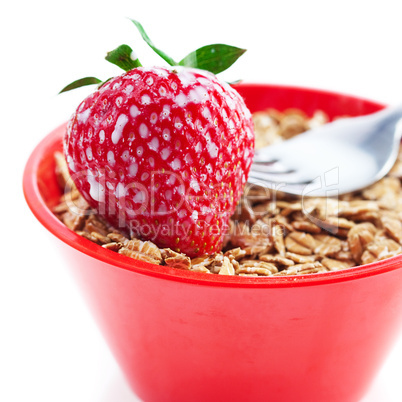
(163, 153)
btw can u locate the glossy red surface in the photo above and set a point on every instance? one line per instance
(187, 336)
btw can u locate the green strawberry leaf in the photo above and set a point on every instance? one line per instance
(144, 35)
(214, 58)
(123, 57)
(81, 83)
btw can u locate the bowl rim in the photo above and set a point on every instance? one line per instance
(49, 220)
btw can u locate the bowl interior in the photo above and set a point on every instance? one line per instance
(263, 96)
(42, 191)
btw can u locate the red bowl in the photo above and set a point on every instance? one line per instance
(188, 336)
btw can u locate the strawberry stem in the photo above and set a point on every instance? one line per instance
(144, 35)
(214, 58)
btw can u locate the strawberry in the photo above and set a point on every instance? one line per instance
(163, 154)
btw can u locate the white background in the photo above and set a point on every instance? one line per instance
(50, 349)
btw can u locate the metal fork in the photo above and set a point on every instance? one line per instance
(336, 158)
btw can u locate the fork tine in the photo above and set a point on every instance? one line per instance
(290, 177)
(268, 154)
(264, 162)
(273, 167)
(297, 189)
